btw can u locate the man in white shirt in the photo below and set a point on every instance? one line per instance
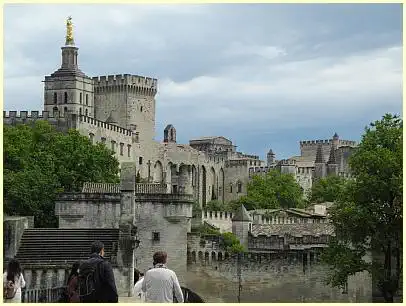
(161, 284)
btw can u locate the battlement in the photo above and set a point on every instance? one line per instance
(33, 115)
(236, 163)
(217, 215)
(316, 142)
(287, 162)
(102, 124)
(310, 143)
(132, 83)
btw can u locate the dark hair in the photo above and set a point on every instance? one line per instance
(160, 257)
(137, 275)
(97, 246)
(13, 270)
(74, 271)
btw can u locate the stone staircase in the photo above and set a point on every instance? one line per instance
(64, 246)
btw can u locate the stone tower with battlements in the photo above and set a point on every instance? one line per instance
(68, 89)
(131, 98)
(270, 158)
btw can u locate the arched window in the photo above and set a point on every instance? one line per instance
(141, 109)
(87, 99)
(80, 111)
(55, 98)
(65, 98)
(65, 110)
(80, 98)
(86, 112)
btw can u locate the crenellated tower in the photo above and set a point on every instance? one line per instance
(332, 167)
(270, 158)
(68, 89)
(131, 98)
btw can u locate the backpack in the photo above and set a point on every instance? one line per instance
(10, 290)
(72, 290)
(89, 280)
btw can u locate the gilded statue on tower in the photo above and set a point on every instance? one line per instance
(69, 32)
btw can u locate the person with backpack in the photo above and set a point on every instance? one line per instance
(161, 284)
(96, 282)
(13, 282)
(72, 286)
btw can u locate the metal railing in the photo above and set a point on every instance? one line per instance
(49, 295)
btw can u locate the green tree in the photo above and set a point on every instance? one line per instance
(273, 190)
(214, 205)
(40, 162)
(231, 243)
(327, 189)
(368, 215)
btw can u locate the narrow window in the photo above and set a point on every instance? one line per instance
(231, 188)
(55, 109)
(80, 98)
(140, 160)
(86, 113)
(55, 98)
(137, 136)
(129, 150)
(87, 99)
(65, 109)
(121, 149)
(156, 237)
(141, 109)
(65, 98)
(80, 111)
(113, 145)
(239, 187)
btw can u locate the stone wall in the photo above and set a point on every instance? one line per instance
(81, 210)
(276, 280)
(163, 222)
(219, 219)
(57, 276)
(13, 229)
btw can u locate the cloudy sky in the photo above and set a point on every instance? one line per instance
(265, 76)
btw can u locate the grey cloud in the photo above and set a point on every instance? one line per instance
(268, 68)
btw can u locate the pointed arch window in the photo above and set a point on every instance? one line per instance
(80, 98)
(65, 97)
(87, 99)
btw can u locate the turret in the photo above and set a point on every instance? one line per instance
(68, 89)
(170, 134)
(270, 158)
(241, 225)
(332, 167)
(336, 140)
(319, 164)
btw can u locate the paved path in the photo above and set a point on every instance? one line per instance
(126, 299)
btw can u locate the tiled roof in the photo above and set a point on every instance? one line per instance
(295, 229)
(100, 188)
(294, 211)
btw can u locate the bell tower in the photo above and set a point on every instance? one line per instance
(69, 90)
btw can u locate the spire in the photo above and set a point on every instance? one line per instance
(241, 215)
(335, 136)
(319, 155)
(332, 157)
(69, 32)
(69, 65)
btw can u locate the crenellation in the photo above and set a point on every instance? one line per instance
(104, 125)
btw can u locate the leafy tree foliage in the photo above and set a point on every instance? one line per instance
(214, 205)
(327, 189)
(273, 190)
(368, 214)
(40, 162)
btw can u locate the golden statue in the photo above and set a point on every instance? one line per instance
(69, 32)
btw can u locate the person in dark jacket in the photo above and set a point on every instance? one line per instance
(106, 291)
